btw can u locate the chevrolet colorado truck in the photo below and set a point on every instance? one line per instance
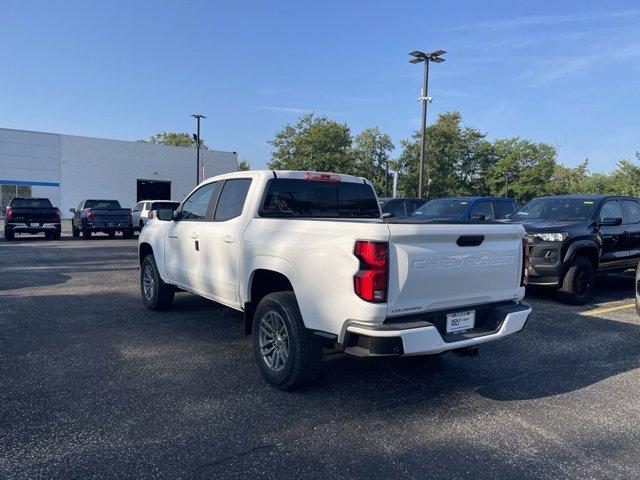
(105, 216)
(31, 215)
(573, 237)
(311, 262)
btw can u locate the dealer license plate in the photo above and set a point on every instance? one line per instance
(459, 322)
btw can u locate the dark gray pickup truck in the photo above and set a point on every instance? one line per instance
(31, 215)
(105, 216)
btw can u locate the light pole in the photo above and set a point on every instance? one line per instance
(418, 57)
(198, 116)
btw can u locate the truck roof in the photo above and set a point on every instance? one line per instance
(295, 174)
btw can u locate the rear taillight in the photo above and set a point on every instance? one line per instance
(88, 214)
(57, 214)
(524, 278)
(370, 283)
(8, 216)
(150, 215)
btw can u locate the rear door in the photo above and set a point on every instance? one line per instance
(221, 241)
(436, 266)
(182, 242)
(615, 248)
(632, 223)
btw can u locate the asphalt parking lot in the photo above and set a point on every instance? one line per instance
(94, 386)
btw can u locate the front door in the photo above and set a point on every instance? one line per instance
(221, 241)
(182, 242)
(615, 248)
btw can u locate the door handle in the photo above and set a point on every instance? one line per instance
(228, 239)
(194, 235)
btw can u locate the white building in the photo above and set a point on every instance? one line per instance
(67, 169)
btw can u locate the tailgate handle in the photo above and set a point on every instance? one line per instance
(470, 240)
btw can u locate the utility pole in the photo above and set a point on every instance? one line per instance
(506, 183)
(198, 116)
(426, 58)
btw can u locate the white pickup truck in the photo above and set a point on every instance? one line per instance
(311, 262)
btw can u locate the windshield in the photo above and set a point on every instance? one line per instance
(556, 209)
(31, 203)
(104, 204)
(442, 207)
(167, 205)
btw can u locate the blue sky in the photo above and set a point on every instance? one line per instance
(567, 73)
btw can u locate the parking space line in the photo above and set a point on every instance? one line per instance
(598, 311)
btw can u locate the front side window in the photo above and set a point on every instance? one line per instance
(483, 208)
(232, 198)
(138, 207)
(196, 205)
(611, 209)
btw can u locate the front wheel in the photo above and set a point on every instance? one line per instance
(577, 284)
(156, 294)
(287, 354)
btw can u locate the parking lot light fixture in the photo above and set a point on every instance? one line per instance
(198, 116)
(426, 58)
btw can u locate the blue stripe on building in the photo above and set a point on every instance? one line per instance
(30, 183)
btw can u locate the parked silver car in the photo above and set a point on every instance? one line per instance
(145, 211)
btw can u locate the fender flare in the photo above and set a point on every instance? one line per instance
(579, 245)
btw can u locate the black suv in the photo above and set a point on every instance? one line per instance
(572, 237)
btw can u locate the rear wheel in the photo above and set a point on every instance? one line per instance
(56, 235)
(111, 234)
(156, 294)
(127, 234)
(288, 356)
(8, 234)
(74, 231)
(86, 233)
(577, 284)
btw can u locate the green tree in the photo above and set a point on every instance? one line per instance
(371, 155)
(176, 139)
(313, 143)
(567, 180)
(527, 166)
(243, 165)
(625, 179)
(457, 157)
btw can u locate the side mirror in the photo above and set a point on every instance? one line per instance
(476, 216)
(72, 210)
(611, 221)
(164, 214)
(387, 215)
(508, 215)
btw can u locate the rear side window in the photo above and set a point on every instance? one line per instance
(483, 208)
(31, 203)
(632, 210)
(395, 208)
(288, 197)
(232, 198)
(98, 204)
(502, 209)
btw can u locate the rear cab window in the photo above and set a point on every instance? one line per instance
(104, 204)
(301, 198)
(30, 203)
(503, 208)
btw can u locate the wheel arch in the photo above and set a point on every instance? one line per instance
(262, 282)
(584, 248)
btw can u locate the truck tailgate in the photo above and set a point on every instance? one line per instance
(437, 266)
(35, 215)
(110, 214)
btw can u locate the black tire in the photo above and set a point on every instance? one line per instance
(140, 226)
(127, 234)
(111, 234)
(8, 234)
(86, 233)
(75, 232)
(304, 351)
(56, 235)
(577, 283)
(160, 295)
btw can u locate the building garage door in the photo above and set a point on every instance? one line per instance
(153, 190)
